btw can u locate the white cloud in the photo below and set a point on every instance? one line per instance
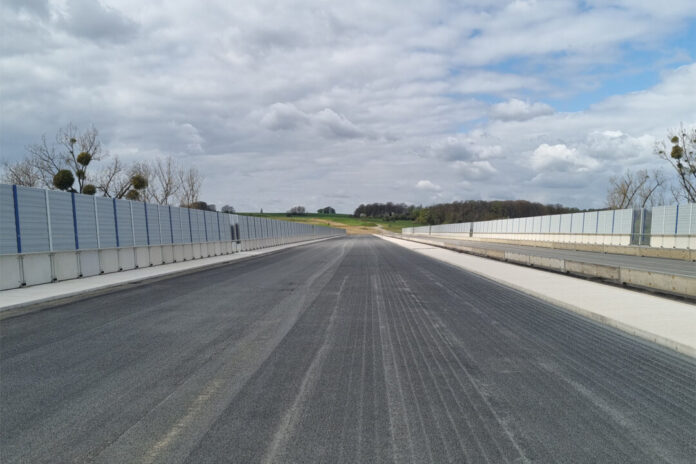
(474, 170)
(518, 110)
(561, 158)
(494, 83)
(427, 185)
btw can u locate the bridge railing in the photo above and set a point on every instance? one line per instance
(663, 226)
(48, 235)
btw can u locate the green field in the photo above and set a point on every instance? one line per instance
(338, 220)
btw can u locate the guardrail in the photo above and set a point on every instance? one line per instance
(48, 235)
(663, 227)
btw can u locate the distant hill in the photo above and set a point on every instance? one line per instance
(459, 211)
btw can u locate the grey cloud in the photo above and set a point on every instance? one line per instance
(284, 116)
(328, 123)
(95, 21)
(39, 8)
(473, 146)
(333, 124)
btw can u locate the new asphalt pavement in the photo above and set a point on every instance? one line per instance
(346, 350)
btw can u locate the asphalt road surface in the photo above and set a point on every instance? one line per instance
(643, 263)
(347, 350)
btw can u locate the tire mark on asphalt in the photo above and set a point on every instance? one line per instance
(290, 419)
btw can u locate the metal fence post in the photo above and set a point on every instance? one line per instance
(74, 218)
(171, 225)
(147, 225)
(159, 224)
(16, 215)
(190, 226)
(96, 220)
(118, 243)
(613, 216)
(135, 253)
(48, 221)
(130, 204)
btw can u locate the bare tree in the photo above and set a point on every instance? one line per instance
(78, 151)
(120, 181)
(159, 181)
(680, 152)
(45, 160)
(21, 173)
(635, 189)
(190, 181)
(164, 182)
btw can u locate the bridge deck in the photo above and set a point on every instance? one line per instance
(348, 350)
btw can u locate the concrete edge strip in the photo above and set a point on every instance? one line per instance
(41, 303)
(658, 339)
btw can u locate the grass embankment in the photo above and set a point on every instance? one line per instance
(351, 224)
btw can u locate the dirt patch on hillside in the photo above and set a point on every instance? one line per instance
(350, 230)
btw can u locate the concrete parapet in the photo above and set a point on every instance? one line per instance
(196, 249)
(10, 272)
(89, 263)
(495, 254)
(167, 254)
(611, 273)
(109, 261)
(555, 264)
(155, 255)
(142, 257)
(681, 285)
(188, 251)
(518, 258)
(178, 253)
(126, 259)
(66, 265)
(37, 268)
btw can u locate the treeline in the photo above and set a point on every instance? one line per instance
(459, 211)
(388, 211)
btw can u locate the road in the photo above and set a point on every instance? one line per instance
(643, 263)
(346, 350)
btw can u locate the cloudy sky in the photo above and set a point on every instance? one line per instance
(317, 103)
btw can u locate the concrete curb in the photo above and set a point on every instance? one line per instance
(37, 304)
(623, 326)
